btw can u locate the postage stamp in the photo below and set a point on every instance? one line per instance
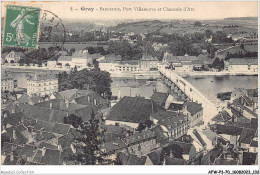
(21, 26)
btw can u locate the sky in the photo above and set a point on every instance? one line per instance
(202, 10)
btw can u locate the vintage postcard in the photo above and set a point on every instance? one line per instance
(129, 83)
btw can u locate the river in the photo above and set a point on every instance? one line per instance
(207, 85)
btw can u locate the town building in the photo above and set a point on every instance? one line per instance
(242, 65)
(42, 84)
(131, 111)
(8, 83)
(14, 57)
(148, 63)
(80, 59)
(174, 124)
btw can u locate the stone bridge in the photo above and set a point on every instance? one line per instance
(172, 79)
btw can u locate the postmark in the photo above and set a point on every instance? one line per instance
(21, 30)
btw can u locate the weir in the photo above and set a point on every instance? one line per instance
(170, 77)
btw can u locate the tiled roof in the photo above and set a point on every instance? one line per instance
(156, 157)
(243, 61)
(47, 145)
(159, 98)
(159, 134)
(42, 76)
(28, 151)
(9, 148)
(47, 126)
(193, 107)
(133, 139)
(174, 161)
(186, 147)
(135, 160)
(20, 138)
(51, 157)
(65, 141)
(249, 158)
(10, 161)
(254, 143)
(131, 109)
(229, 130)
(222, 116)
(26, 99)
(170, 119)
(13, 119)
(221, 161)
(64, 58)
(247, 135)
(114, 145)
(81, 53)
(61, 128)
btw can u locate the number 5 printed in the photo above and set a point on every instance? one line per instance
(9, 37)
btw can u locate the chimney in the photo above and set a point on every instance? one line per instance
(67, 104)
(119, 94)
(50, 105)
(5, 114)
(43, 151)
(14, 134)
(73, 148)
(13, 111)
(12, 157)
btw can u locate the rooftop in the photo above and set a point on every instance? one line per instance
(131, 109)
(42, 76)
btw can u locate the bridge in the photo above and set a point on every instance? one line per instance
(172, 79)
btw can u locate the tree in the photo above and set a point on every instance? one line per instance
(242, 46)
(143, 126)
(87, 146)
(94, 79)
(74, 120)
(197, 24)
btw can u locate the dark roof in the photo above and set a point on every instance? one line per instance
(61, 128)
(13, 119)
(247, 135)
(9, 148)
(159, 98)
(65, 154)
(135, 160)
(20, 138)
(131, 109)
(38, 156)
(10, 161)
(174, 161)
(44, 135)
(114, 145)
(51, 157)
(26, 99)
(239, 124)
(47, 145)
(254, 143)
(28, 151)
(186, 147)
(159, 134)
(249, 158)
(65, 141)
(47, 126)
(222, 116)
(229, 130)
(155, 157)
(193, 107)
(221, 161)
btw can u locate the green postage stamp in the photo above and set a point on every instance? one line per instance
(21, 26)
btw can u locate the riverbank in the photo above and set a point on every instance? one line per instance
(224, 73)
(32, 69)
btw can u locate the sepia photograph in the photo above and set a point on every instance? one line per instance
(166, 83)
